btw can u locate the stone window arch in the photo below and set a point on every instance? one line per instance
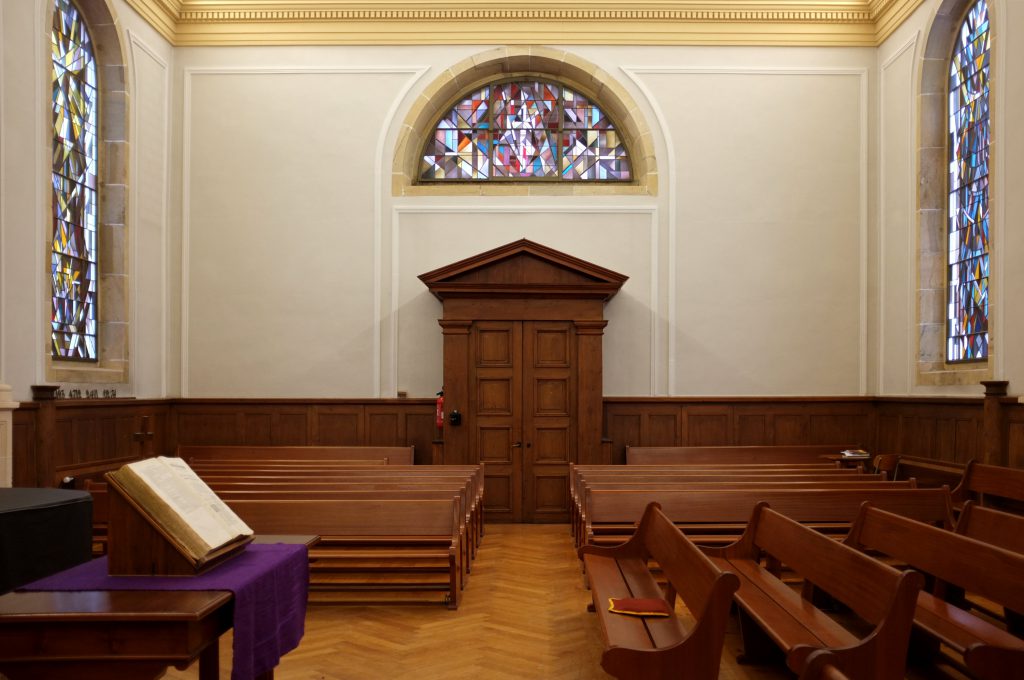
(941, 192)
(104, 357)
(533, 63)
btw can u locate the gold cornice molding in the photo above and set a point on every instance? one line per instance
(617, 22)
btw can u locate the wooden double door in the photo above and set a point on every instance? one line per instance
(523, 383)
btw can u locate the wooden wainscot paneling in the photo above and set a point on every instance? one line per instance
(253, 422)
(1015, 434)
(82, 438)
(945, 429)
(642, 422)
(710, 425)
(400, 423)
(740, 421)
(809, 421)
(295, 422)
(23, 449)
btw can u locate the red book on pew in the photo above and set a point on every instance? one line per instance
(639, 606)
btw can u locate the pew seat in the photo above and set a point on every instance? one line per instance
(656, 648)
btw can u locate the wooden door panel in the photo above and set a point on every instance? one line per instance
(494, 346)
(495, 420)
(551, 445)
(494, 395)
(551, 495)
(552, 347)
(495, 444)
(549, 398)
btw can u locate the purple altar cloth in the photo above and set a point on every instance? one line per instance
(269, 581)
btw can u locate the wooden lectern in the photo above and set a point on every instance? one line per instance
(137, 545)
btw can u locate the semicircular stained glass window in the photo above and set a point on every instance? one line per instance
(969, 138)
(525, 130)
(73, 259)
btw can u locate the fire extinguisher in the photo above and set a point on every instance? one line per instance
(439, 410)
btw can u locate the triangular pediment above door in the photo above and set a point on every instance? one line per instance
(523, 269)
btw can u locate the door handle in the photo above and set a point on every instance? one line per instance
(516, 445)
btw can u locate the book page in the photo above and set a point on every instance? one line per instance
(205, 495)
(167, 485)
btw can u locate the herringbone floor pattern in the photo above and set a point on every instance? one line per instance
(523, 617)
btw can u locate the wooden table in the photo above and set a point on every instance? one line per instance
(128, 635)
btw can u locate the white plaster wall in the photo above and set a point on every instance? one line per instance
(23, 179)
(279, 173)
(770, 182)
(746, 270)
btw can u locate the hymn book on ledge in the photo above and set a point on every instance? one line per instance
(181, 507)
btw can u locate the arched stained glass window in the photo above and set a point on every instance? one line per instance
(969, 137)
(525, 130)
(73, 259)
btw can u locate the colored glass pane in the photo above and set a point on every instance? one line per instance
(969, 140)
(525, 130)
(73, 245)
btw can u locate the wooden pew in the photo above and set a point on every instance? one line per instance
(989, 652)
(660, 455)
(469, 474)
(1001, 529)
(991, 485)
(274, 464)
(771, 613)
(341, 472)
(577, 511)
(717, 517)
(579, 477)
(394, 455)
(738, 473)
(426, 532)
(989, 525)
(927, 471)
(651, 648)
(466, 538)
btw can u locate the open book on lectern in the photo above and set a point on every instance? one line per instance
(182, 504)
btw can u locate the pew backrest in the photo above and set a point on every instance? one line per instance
(647, 455)
(928, 472)
(976, 566)
(735, 505)
(327, 517)
(991, 485)
(396, 455)
(1003, 529)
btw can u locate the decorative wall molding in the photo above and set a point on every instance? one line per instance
(414, 73)
(140, 48)
(634, 73)
(411, 22)
(884, 190)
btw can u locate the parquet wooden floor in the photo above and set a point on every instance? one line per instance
(523, 617)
